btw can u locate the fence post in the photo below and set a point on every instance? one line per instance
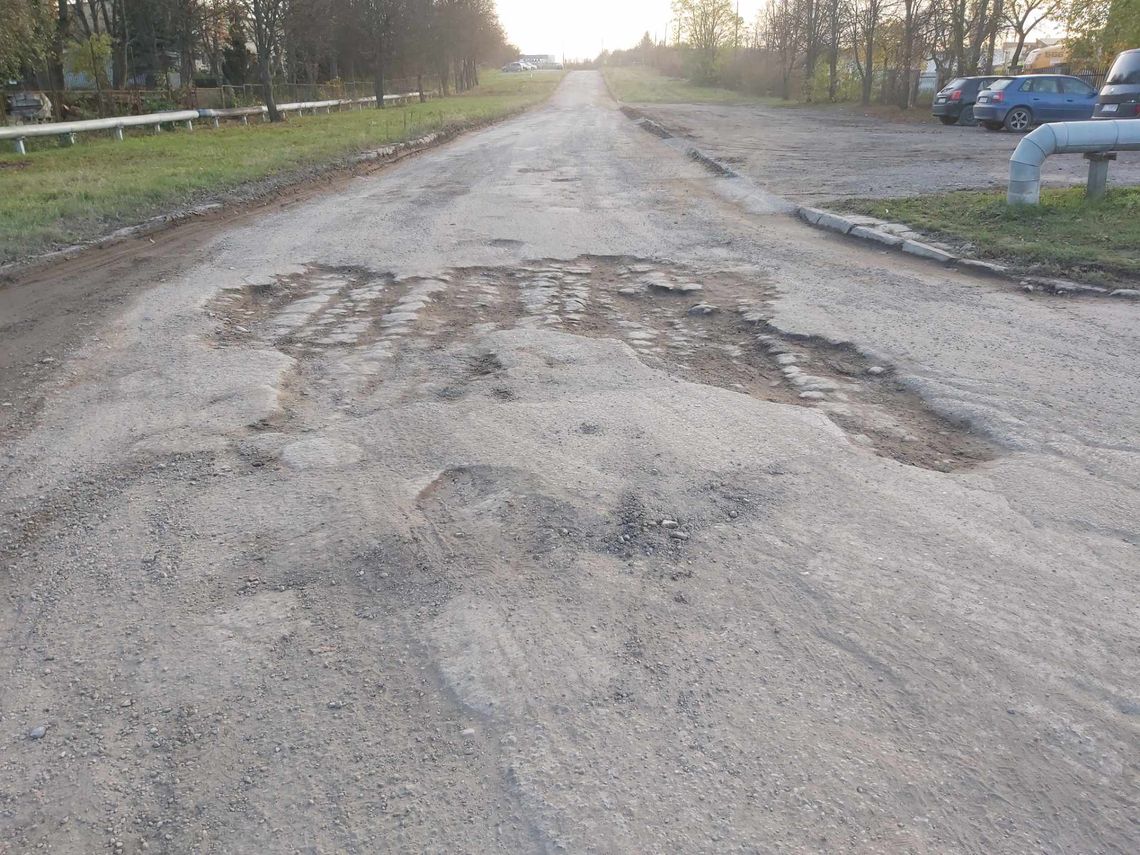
(20, 147)
(189, 125)
(119, 133)
(67, 139)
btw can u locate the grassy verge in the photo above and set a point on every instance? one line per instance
(641, 85)
(1066, 234)
(63, 195)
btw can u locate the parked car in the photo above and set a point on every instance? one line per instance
(1120, 96)
(512, 67)
(955, 102)
(1018, 103)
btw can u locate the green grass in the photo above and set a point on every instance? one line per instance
(60, 195)
(1065, 234)
(641, 85)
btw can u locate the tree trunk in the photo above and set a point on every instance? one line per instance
(1017, 50)
(868, 67)
(992, 46)
(55, 63)
(811, 49)
(378, 72)
(266, 78)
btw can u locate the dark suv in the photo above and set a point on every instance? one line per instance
(1119, 98)
(955, 102)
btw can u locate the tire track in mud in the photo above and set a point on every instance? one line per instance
(352, 330)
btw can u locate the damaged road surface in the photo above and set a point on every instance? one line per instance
(535, 496)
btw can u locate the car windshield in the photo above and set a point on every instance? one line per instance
(1001, 84)
(1126, 69)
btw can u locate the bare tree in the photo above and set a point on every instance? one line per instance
(914, 19)
(782, 30)
(1024, 16)
(833, 18)
(706, 25)
(267, 17)
(866, 18)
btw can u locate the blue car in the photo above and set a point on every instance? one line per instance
(1017, 103)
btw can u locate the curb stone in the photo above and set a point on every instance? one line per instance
(925, 250)
(900, 237)
(659, 130)
(984, 266)
(711, 164)
(834, 222)
(868, 233)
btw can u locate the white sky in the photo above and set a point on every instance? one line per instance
(579, 29)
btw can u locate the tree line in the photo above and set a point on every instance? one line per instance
(814, 49)
(117, 44)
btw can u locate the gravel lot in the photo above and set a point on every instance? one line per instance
(815, 155)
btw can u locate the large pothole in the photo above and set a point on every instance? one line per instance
(706, 326)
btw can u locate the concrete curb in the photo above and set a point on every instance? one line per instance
(711, 164)
(899, 237)
(658, 130)
(646, 123)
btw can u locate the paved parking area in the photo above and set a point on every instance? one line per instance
(811, 155)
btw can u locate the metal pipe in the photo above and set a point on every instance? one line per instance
(1064, 138)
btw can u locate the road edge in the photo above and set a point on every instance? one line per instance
(365, 162)
(901, 238)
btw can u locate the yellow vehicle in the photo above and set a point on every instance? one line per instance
(1044, 58)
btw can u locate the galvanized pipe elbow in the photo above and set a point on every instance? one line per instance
(1025, 166)
(1063, 138)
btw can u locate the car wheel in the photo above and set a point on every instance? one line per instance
(967, 116)
(992, 126)
(1018, 119)
(948, 120)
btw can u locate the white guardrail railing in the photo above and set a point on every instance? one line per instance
(66, 131)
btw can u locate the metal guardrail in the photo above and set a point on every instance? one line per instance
(1097, 140)
(66, 131)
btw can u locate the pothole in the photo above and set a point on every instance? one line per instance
(703, 325)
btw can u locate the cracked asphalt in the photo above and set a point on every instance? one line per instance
(545, 492)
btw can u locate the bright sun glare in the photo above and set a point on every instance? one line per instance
(580, 29)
